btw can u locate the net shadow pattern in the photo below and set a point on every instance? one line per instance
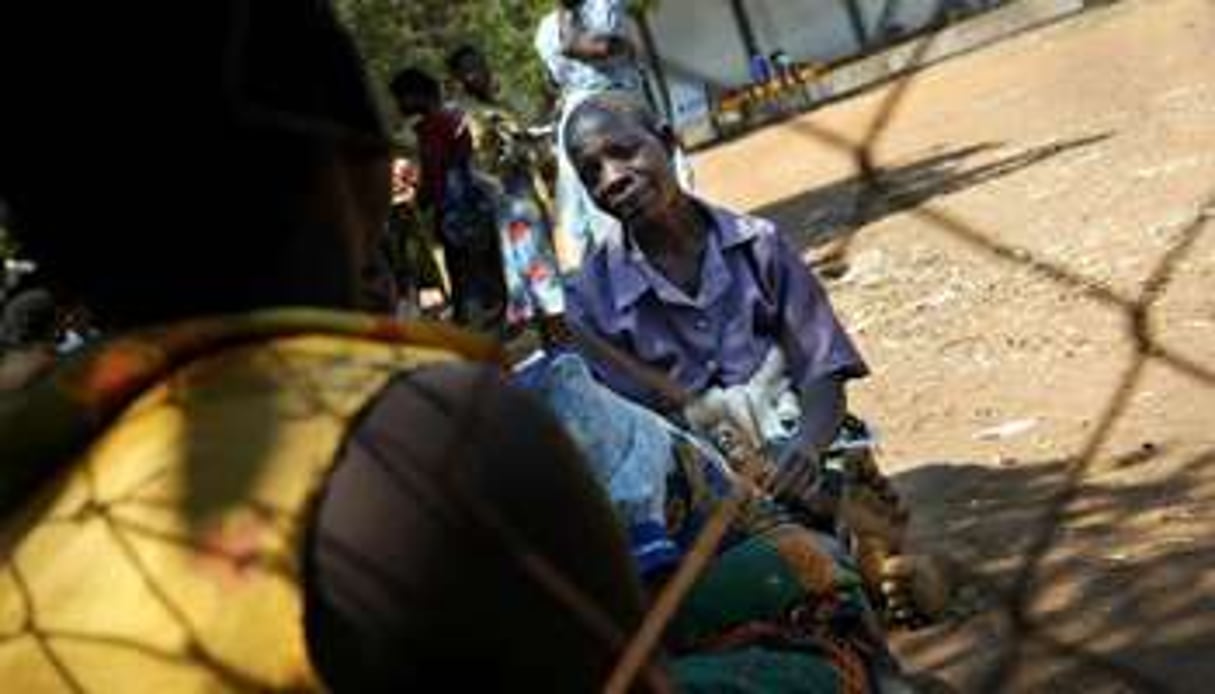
(454, 503)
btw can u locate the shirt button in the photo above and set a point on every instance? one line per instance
(701, 324)
(711, 366)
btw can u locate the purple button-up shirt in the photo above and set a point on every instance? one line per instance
(754, 294)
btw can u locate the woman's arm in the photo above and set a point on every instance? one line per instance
(815, 342)
(824, 403)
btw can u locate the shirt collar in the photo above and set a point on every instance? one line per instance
(625, 278)
(626, 264)
(734, 229)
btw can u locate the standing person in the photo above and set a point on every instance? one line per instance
(586, 48)
(765, 81)
(508, 158)
(761, 70)
(230, 495)
(415, 256)
(782, 66)
(790, 76)
(461, 207)
(27, 338)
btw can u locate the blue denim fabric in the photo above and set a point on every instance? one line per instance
(628, 448)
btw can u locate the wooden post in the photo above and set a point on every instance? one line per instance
(746, 32)
(856, 20)
(651, 50)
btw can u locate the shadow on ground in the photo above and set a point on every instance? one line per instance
(1123, 595)
(840, 208)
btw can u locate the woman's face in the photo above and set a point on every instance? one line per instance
(625, 166)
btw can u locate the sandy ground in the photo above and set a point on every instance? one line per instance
(1034, 288)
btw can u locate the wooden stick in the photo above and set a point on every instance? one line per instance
(704, 548)
(671, 597)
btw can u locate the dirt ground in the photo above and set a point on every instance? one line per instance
(1033, 284)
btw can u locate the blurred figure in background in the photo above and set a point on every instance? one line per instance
(508, 159)
(459, 203)
(28, 337)
(415, 255)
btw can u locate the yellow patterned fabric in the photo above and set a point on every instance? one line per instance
(164, 557)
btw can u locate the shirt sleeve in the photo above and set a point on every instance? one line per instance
(585, 298)
(547, 43)
(816, 342)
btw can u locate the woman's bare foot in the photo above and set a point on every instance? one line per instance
(915, 588)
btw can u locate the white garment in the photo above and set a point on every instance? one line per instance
(763, 414)
(599, 18)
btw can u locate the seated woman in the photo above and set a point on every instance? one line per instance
(709, 318)
(719, 305)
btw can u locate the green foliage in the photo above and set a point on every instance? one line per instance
(641, 7)
(395, 33)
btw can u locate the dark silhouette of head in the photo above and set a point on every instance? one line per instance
(469, 67)
(415, 92)
(29, 319)
(228, 157)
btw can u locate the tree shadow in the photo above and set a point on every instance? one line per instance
(1119, 596)
(839, 209)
